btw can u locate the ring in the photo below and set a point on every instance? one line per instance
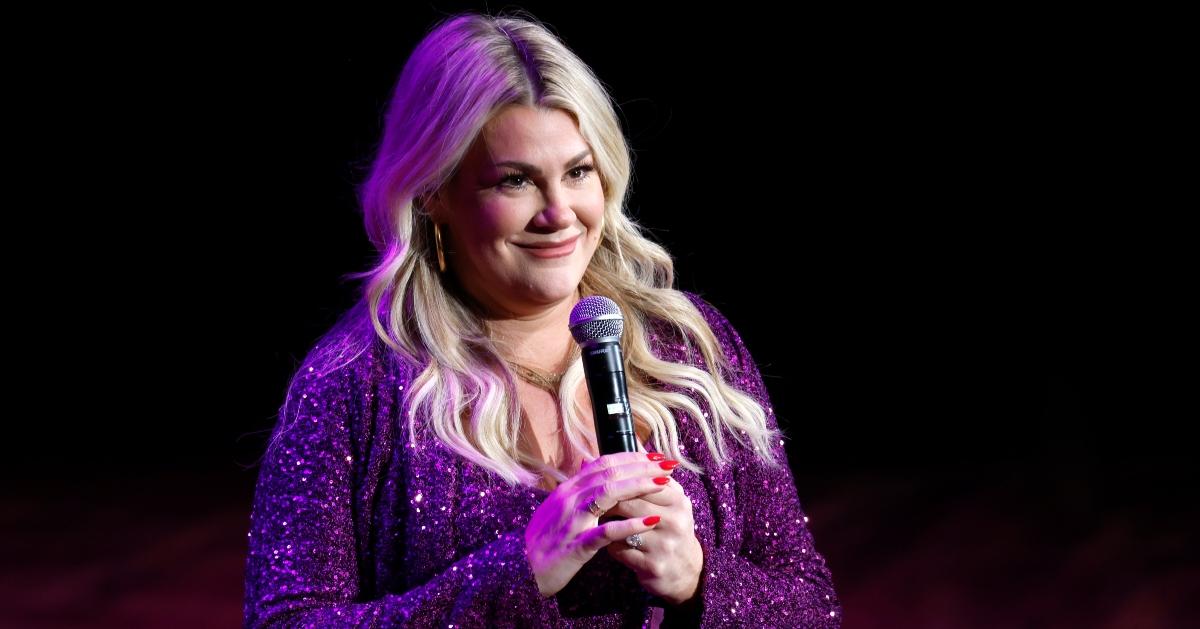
(635, 541)
(595, 508)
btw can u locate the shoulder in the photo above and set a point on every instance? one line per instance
(725, 333)
(348, 387)
(346, 360)
(712, 315)
(677, 339)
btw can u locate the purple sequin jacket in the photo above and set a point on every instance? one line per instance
(352, 525)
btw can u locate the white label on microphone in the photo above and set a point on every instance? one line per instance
(616, 409)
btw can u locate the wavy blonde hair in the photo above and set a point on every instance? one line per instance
(465, 70)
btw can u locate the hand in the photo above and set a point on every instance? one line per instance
(670, 560)
(563, 534)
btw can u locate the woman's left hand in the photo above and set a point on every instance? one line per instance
(669, 562)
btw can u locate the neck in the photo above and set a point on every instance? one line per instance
(539, 340)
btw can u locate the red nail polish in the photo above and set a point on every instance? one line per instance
(654, 456)
(651, 521)
(662, 480)
(668, 465)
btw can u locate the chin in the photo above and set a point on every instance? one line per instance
(551, 295)
(553, 291)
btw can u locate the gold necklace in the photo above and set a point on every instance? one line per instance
(548, 382)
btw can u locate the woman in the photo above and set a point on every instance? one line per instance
(435, 461)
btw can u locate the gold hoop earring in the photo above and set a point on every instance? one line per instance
(437, 239)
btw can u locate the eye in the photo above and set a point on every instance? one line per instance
(515, 181)
(584, 170)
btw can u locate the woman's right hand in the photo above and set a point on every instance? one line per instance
(563, 534)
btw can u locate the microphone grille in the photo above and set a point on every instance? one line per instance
(596, 317)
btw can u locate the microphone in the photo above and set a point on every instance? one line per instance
(597, 324)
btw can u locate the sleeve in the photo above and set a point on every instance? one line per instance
(775, 577)
(302, 566)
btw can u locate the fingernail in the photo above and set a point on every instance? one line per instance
(668, 465)
(651, 521)
(662, 480)
(654, 456)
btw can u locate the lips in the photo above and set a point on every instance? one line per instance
(551, 249)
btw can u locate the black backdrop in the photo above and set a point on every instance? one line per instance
(939, 234)
(933, 235)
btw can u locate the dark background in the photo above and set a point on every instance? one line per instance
(945, 237)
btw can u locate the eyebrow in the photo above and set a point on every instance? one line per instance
(537, 171)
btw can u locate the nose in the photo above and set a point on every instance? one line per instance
(557, 214)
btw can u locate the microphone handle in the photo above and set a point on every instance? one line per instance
(605, 372)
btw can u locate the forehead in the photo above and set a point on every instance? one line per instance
(530, 134)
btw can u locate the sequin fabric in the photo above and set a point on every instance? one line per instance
(354, 525)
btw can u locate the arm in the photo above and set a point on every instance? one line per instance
(302, 567)
(776, 577)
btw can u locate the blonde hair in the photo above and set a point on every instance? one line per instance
(464, 71)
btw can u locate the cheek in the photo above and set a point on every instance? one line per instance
(502, 220)
(596, 224)
(593, 215)
(489, 227)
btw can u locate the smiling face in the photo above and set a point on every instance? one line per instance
(522, 216)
